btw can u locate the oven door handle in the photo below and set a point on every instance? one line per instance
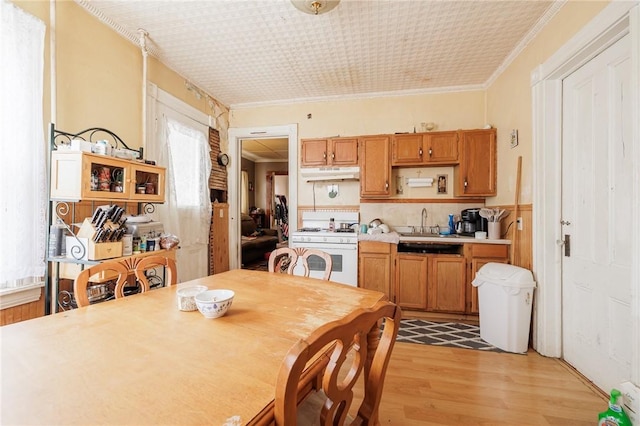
(329, 248)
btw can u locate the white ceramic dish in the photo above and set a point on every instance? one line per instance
(186, 297)
(214, 303)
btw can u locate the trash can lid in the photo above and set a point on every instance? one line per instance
(505, 275)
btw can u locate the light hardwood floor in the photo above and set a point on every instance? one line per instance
(430, 385)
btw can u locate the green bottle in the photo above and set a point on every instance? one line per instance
(615, 415)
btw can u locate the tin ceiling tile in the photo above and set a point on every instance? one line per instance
(260, 52)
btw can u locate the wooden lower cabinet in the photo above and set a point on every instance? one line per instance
(479, 255)
(375, 266)
(446, 280)
(441, 283)
(431, 282)
(411, 281)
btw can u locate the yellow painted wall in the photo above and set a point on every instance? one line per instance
(354, 117)
(509, 98)
(455, 110)
(99, 75)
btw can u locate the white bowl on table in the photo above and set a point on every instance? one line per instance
(214, 303)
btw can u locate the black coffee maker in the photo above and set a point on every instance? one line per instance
(471, 222)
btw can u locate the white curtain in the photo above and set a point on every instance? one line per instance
(187, 209)
(244, 187)
(23, 195)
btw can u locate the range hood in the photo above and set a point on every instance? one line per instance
(324, 174)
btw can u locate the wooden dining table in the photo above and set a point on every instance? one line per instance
(139, 360)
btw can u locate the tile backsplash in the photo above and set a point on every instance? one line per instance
(410, 214)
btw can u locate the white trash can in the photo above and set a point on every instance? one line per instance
(505, 296)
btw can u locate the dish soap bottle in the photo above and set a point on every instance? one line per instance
(614, 415)
(452, 226)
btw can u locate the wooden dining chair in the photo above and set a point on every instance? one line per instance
(285, 260)
(352, 350)
(113, 268)
(150, 262)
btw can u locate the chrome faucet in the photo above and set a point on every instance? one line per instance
(423, 220)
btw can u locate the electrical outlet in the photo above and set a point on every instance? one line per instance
(519, 222)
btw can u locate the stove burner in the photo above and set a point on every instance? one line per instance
(309, 229)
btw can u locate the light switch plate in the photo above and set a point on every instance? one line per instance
(514, 138)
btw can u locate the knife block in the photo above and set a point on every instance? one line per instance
(93, 250)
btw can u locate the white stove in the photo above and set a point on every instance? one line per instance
(341, 243)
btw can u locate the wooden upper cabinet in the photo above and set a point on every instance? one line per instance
(476, 173)
(416, 149)
(407, 149)
(375, 166)
(314, 152)
(329, 152)
(77, 175)
(441, 148)
(343, 152)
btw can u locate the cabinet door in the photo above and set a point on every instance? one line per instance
(476, 173)
(374, 272)
(446, 289)
(375, 167)
(411, 281)
(441, 148)
(407, 149)
(344, 152)
(151, 178)
(478, 255)
(314, 152)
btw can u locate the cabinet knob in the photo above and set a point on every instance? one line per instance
(430, 152)
(333, 155)
(465, 184)
(324, 155)
(420, 152)
(386, 185)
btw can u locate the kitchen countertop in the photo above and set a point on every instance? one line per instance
(452, 240)
(395, 238)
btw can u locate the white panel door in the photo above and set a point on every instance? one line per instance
(596, 206)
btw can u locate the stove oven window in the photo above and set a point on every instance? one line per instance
(317, 263)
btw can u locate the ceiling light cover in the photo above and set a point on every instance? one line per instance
(315, 7)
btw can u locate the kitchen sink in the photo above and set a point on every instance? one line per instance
(418, 234)
(427, 234)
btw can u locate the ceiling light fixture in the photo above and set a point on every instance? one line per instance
(315, 7)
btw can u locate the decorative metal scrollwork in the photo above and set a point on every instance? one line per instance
(149, 208)
(66, 301)
(78, 251)
(87, 134)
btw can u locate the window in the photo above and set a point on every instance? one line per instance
(22, 166)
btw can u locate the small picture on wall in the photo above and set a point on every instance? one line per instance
(442, 184)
